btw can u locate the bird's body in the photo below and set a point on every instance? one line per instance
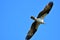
(39, 20)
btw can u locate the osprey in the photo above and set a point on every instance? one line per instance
(39, 20)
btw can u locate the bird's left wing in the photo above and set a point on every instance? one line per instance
(46, 10)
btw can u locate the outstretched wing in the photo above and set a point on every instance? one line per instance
(32, 30)
(46, 10)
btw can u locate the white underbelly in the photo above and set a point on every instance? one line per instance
(40, 20)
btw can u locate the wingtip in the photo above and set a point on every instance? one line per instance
(27, 37)
(51, 3)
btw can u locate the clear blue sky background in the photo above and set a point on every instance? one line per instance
(15, 19)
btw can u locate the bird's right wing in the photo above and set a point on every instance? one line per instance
(32, 30)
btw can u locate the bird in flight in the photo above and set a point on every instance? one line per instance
(39, 20)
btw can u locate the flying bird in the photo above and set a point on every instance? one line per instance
(39, 20)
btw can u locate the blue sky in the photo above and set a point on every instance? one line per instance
(15, 19)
